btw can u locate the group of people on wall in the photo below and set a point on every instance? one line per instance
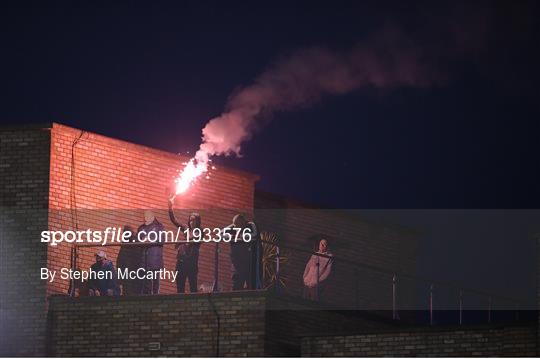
(245, 260)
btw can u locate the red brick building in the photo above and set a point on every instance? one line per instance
(111, 182)
(60, 178)
(97, 182)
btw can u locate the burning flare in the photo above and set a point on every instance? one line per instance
(193, 169)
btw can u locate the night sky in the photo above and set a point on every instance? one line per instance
(155, 72)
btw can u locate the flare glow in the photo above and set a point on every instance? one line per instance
(194, 168)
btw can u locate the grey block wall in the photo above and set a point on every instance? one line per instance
(24, 186)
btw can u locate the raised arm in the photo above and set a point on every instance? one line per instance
(173, 217)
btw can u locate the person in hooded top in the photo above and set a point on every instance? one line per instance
(317, 270)
(245, 256)
(107, 285)
(187, 257)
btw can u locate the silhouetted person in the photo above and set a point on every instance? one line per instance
(187, 257)
(78, 287)
(129, 257)
(244, 255)
(107, 285)
(152, 253)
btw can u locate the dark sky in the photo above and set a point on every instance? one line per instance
(155, 72)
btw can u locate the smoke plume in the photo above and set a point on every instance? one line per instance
(306, 76)
(303, 78)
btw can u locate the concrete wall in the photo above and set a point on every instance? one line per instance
(24, 185)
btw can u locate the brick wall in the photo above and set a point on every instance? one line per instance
(252, 323)
(289, 319)
(24, 184)
(45, 171)
(48, 171)
(183, 325)
(517, 341)
(257, 323)
(352, 239)
(111, 182)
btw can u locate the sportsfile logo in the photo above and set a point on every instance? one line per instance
(112, 235)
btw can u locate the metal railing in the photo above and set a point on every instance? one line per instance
(506, 303)
(351, 286)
